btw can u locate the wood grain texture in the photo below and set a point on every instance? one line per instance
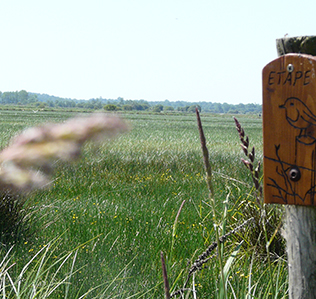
(289, 130)
(300, 235)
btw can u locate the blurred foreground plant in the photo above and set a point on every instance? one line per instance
(27, 163)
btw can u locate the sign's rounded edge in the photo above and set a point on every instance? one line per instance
(288, 56)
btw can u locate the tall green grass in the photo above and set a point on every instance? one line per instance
(117, 208)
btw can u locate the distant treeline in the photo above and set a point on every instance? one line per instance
(24, 98)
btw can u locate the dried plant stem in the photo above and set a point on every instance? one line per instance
(193, 287)
(165, 277)
(207, 164)
(174, 230)
(200, 260)
(206, 255)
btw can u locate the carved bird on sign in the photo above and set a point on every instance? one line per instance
(300, 117)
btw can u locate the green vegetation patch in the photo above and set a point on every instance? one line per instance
(114, 210)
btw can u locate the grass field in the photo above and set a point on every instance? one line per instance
(105, 219)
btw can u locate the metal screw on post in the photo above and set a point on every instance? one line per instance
(294, 174)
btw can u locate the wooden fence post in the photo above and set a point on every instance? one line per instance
(289, 131)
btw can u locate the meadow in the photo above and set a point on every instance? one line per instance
(99, 229)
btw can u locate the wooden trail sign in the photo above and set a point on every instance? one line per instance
(289, 109)
(289, 130)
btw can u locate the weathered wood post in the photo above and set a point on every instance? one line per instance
(289, 131)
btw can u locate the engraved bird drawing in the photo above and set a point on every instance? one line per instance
(300, 117)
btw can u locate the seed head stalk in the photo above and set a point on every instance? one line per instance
(254, 171)
(207, 164)
(208, 170)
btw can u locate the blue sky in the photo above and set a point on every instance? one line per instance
(190, 50)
